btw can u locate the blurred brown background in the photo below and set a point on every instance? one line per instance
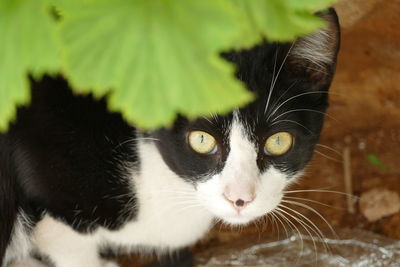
(364, 120)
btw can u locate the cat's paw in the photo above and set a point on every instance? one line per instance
(31, 262)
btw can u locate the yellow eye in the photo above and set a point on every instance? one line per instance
(202, 142)
(278, 144)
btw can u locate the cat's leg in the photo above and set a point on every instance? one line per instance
(32, 262)
(29, 262)
(66, 247)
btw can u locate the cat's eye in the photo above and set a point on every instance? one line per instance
(278, 144)
(202, 142)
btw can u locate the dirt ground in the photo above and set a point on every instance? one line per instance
(364, 119)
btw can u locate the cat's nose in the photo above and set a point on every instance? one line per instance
(239, 201)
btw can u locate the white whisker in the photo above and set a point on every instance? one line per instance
(320, 191)
(316, 212)
(317, 231)
(207, 119)
(295, 122)
(305, 227)
(272, 82)
(304, 110)
(293, 97)
(280, 221)
(330, 148)
(326, 156)
(314, 201)
(277, 76)
(293, 227)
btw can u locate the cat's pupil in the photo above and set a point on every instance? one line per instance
(201, 138)
(278, 140)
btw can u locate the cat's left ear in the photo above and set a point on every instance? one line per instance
(314, 56)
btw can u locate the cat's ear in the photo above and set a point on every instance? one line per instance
(314, 56)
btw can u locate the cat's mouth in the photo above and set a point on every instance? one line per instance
(239, 219)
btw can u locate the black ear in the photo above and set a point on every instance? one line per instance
(314, 56)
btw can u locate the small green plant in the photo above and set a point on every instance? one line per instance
(155, 58)
(375, 161)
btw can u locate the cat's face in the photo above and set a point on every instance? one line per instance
(241, 163)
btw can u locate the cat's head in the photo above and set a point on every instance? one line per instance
(241, 163)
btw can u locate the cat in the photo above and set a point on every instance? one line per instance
(77, 180)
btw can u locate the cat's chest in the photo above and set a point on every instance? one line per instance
(164, 225)
(169, 215)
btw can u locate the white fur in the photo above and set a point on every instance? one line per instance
(64, 246)
(169, 216)
(315, 48)
(242, 175)
(20, 245)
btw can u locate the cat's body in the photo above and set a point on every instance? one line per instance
(76, 179)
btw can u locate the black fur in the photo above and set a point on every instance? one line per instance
(8, 196)
(71, 155)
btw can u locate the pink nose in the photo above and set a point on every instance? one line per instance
(239, 202)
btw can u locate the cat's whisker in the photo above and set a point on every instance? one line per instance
(207, 119)
(271, 85)
(175, 192)
(277, 219)
(304, 110)
(180, 199)
(295, 122)
(277, 75)
(282, 95)
(176, 207)
(305, 227)
(310, 223)
(221, 224)
(265, 220)
(258, 228)
(293, 227)
(133, 141)
(278, 216)
(275, 224)
(321, 191)
(179, 196)
(271, 222)
(281, 222)
(187, 207)
(330, 148)
(326, 156)
(214, 117)
(291, 98)
(316, 70)
(313, 201)
(216, 221)
(315, 212)
(146, 138)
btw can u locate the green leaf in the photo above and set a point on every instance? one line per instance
(310, 5)
(280, 20)
(27, 45)
(159, 57)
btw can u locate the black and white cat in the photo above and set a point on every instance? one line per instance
(76, 179)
